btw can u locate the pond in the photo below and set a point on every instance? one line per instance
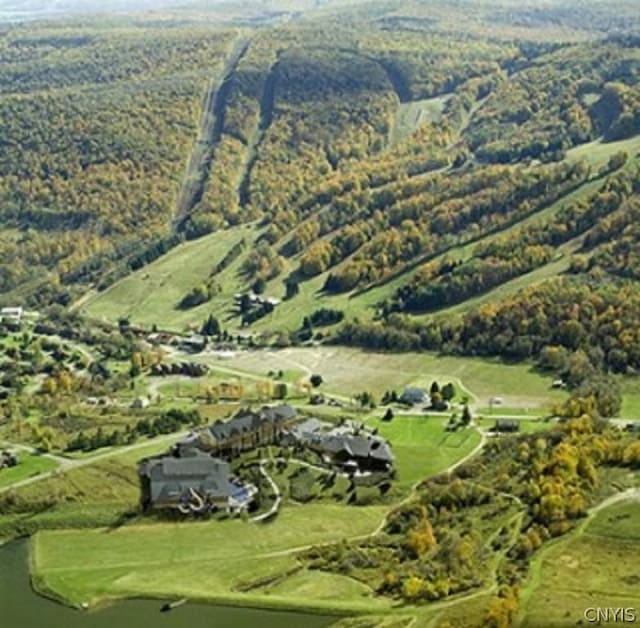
(21, 607)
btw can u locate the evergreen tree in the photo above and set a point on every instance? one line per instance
(211, 326)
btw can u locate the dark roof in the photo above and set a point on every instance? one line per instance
(356, 446)
(171, 477)
(413, 393)
(247, 421)
(507, 424)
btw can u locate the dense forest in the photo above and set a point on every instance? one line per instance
(97, 127)
(439, 156)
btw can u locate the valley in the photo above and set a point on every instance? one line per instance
(320, 312)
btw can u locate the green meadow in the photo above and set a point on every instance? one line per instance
(347, 371)
(29, 466)
(422, 447)
(217, 561)
(596, 566)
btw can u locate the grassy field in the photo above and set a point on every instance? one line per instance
(96, 494)
(595, 567)
(597, 153)
(30, 465)
(350, 371)
(151, 294)
(630, 398)
(421, 446)
(410, 115)
(216, 561)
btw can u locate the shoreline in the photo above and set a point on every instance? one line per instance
(232, 600)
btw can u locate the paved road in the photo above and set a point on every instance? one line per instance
(276, 504)
(61, 460)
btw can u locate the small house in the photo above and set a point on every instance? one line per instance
(506, 426)
(414, 396)
(11, 314)
(140, 403)
(8, 459)
(316, 399)
(193, 344)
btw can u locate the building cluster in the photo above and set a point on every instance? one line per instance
(195, 477)
(348, 447)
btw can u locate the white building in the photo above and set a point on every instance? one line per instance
(11, 314)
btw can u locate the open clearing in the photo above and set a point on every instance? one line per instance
(598, 152)
(350, 371)
(630, 398)
(595, 567)
(215, 561)
(410, 115)
(29, 465)
(422, 447)
(150, 295)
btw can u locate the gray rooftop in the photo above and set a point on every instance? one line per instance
(171, 477)
(355, 445)
(248, 421)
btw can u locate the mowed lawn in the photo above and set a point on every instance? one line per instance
(598, 568)
(29, 465)
(348, 371)
(421, 446)
(215, 561)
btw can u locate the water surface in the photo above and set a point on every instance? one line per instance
(21, 607)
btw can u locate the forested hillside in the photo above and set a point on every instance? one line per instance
(451, 176)
(97, 126)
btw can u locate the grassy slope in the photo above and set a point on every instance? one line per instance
(199, 560)
(596, 567)
(421, 446)
(630, 399)
(597, 153)
(410, 115)
(30, 465)
(96, 494)
(150, 295)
